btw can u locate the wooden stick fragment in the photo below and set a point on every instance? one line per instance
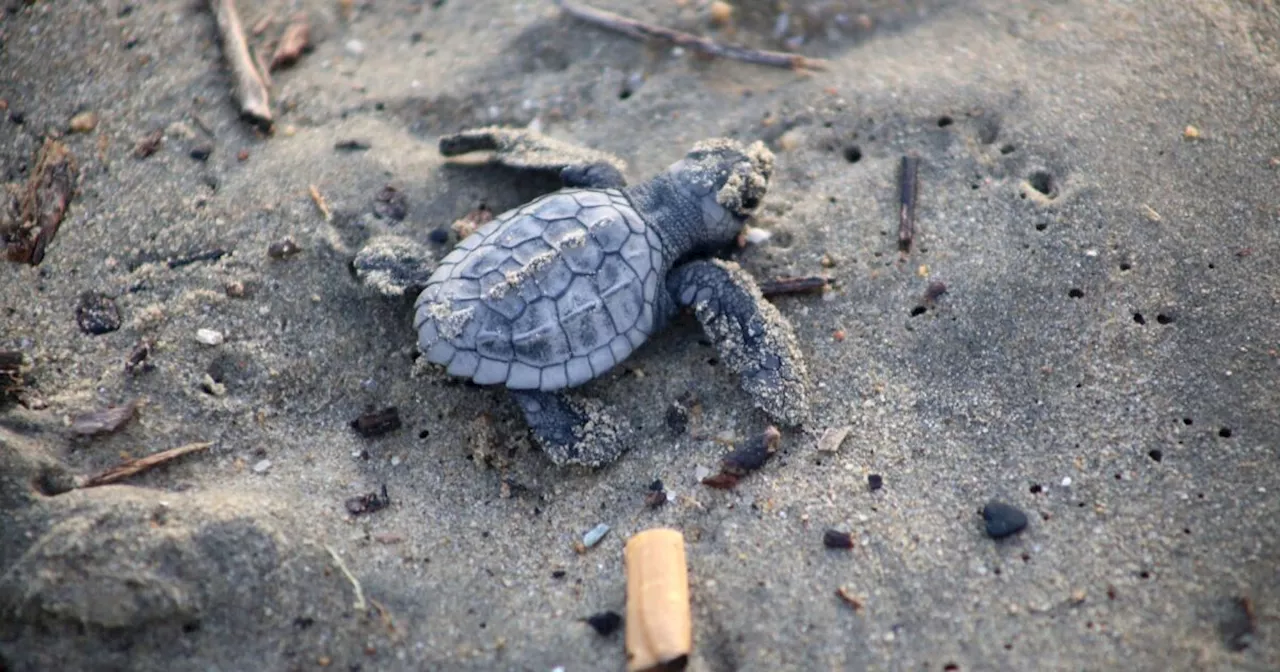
(249, 89)
(659, 620)
(908, 189)
(132, 467)
(799, 285)
(641, 30)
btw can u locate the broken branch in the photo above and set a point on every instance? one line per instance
(132, 467)
(248, 87)
(641, 30)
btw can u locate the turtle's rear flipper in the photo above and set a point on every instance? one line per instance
(394, 265)
(572, 430)
(525, 149)
(754, 340)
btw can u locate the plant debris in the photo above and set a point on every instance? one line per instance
(752, 455)
(248, 87)
(132, 467)
(96, 314)
(371, 502)
(468, 223)
(106, 421)
(641, 30)
(13, 372)
(31, 214)
(800, 285)
(908, 191)
(376, 423)
(321, 205)
(149, 144)
(295, 41)
(604, 623)
(849, 598)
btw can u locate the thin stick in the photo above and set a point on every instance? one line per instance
(249, 89)
(641, 30)
(908, 189)
(127, 469)
(800, 285)
(355, 583)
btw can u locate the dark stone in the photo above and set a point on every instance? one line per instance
(390, 203)
(97, 314)
(439, 236)
(605, 623)
(202, 152)
(837, 539)
(875, 482)
(1003, 519)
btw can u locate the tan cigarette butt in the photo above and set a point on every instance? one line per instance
(659, 620)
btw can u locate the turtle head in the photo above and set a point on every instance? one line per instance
(727, 181)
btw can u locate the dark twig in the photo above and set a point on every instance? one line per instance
(131, 467)
(641, 30)
(801, 285)
(908, 189)
(249, 88)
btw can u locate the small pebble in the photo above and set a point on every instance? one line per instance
(595, 535)
(283, 249)
(242, 155)
(391, 203)
(96, 314)
(755, 236)
(604, 623)
(354, 47)
(1003, 519)
(875, 482)
(209, 336)
(837, 539)
(83, 122)
(721, 12)
(262, 466)
(202, 152)
(700, 473)
(1191, 133)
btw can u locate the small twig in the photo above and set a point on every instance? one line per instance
(641, 30)
(800, 285)
(319, 201)
(132, 467)
(249, 89)
(355, 583)
(908, 189)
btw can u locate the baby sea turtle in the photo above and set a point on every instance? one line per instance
(556, 292)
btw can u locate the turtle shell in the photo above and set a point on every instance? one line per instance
(546, 296)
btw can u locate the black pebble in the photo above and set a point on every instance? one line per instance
(605, 622)
(97, 314)
(351, 145)
(377, 423)
(1003, 519)
(656, 486)
(439, 236)
(837, 539)
(390, 203)
(17, 117)
(875, 482)
(201, 152)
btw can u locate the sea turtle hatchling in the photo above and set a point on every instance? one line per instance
(556, 292)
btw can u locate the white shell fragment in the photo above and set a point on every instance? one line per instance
(262, 466)
(832, 438)
(209, 336)
(595, 535)
(755, 236)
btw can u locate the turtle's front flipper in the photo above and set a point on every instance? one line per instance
(529, 150)
(572, 430)
(754, 340)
